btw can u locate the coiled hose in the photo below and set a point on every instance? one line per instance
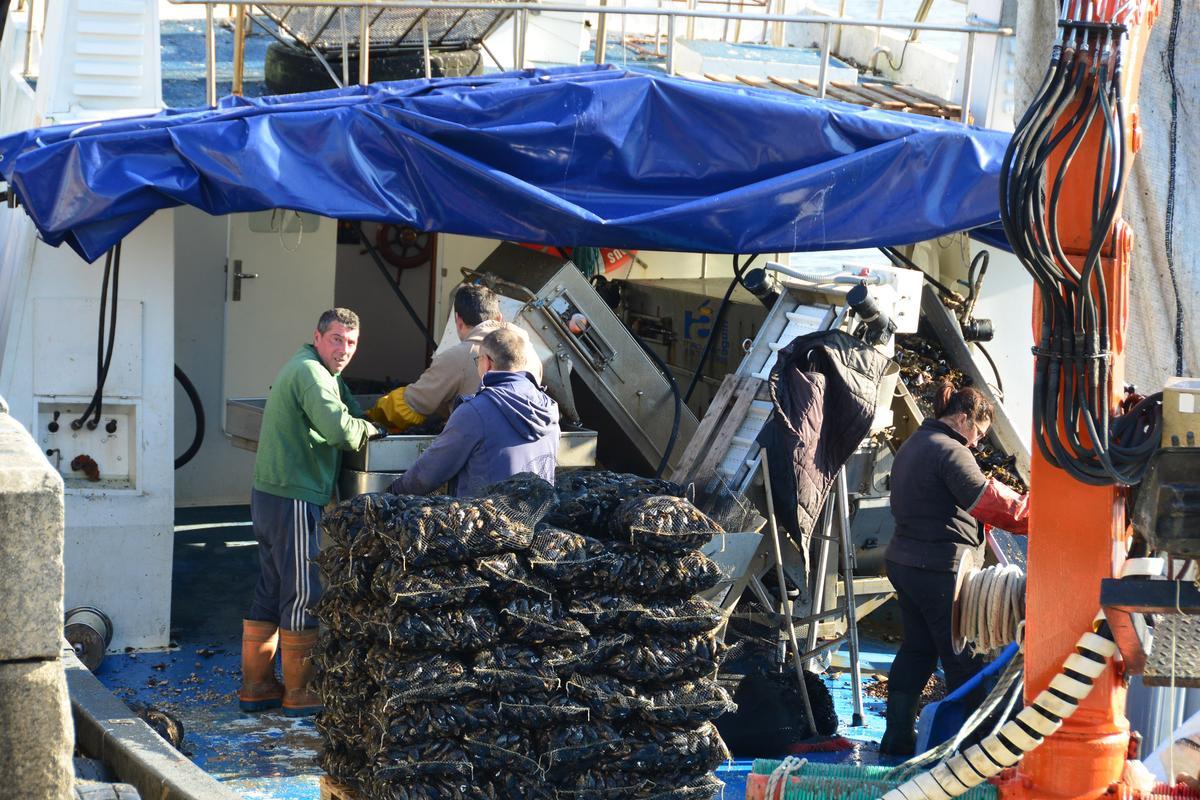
(1040, 719)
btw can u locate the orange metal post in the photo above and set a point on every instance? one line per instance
(1078, 532)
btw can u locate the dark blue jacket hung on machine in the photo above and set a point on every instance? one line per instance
(509, 427)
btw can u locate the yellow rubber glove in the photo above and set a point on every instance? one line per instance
(391, 410)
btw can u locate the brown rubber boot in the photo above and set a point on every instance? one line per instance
(296, 652)
(260, 690)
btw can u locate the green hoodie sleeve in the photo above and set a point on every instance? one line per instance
(329, 416)
(351, 403)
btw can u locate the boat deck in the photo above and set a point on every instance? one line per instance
(267, 755)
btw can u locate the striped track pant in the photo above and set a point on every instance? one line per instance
(289, 538)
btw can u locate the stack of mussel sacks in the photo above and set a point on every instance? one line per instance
(539, 642)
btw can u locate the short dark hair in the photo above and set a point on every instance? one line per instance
(971, 402)
(475, 304)
(342, 315)
(506, 349)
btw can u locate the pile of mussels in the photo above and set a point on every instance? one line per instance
(540, 642)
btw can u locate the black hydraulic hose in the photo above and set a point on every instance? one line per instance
(666, 371)
(112, 270)
(738, 272)
(995, 370)
(198, 439)
(395, 284)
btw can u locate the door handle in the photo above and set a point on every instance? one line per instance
(238, 277)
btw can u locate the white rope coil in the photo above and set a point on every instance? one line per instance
(991, 608)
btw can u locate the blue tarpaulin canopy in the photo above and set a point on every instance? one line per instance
(593, 156)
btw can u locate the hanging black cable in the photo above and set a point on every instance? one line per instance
(104, 352)
(1172, 146)
(900, 260)
(198, 409)
(718, 318)
(1079, 101)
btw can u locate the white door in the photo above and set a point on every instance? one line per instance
(279, 278)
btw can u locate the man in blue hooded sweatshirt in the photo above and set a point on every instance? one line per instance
(510, 426)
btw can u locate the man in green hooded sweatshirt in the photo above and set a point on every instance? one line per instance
(310, 417)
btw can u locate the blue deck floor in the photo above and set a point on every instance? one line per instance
(268, 755)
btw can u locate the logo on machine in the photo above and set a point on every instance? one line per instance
(697, 324)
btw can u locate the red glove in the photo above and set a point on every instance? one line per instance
(1001, 507)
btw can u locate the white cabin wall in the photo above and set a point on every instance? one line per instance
(118, 547)
(220, 474)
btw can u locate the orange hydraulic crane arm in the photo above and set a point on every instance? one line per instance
(1061, 194)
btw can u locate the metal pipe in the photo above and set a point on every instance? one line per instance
(671, 45)
(523, 17)
(210, 58)
(425, 48)
(968, 76)
(643, 11)
(341, 12)
(364, 47)
(602, 34)
(785, 603)
(818, 584)
(691, 21)
(239, 52)
(841, 13)
(823, 78)
(28, 39)
(843, 502)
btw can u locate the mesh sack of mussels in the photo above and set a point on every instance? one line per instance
(504, 646)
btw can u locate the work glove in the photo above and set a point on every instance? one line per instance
(1002, 507)
(378, 432)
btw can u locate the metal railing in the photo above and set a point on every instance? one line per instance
(522, 10)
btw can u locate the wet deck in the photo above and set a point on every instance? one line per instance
(267, 755)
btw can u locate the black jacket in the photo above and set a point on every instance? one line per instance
(935, 480)
(825, 386)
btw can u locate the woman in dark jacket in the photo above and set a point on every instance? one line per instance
(939, 497)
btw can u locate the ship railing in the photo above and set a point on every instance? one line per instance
(521, 12)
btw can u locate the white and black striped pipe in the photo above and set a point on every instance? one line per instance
(1004, 748)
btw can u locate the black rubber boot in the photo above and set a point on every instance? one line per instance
(900, 738)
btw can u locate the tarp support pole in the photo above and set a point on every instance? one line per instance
(210, 58)
(601, 35)
(671, 45)
(364, 47)
(823, 79)
(341, 12)
(425, 47)
(523, 28)
(968, 74)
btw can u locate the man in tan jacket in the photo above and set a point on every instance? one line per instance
(453, 372)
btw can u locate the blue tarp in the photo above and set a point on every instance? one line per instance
(573, 156)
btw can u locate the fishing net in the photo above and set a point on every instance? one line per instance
(438, 758)
(387, 785)
(584, 655)
(588, 498)
(537, 621)
(661, 522)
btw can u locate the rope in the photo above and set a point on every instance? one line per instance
(991, 608)
(777, 781)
